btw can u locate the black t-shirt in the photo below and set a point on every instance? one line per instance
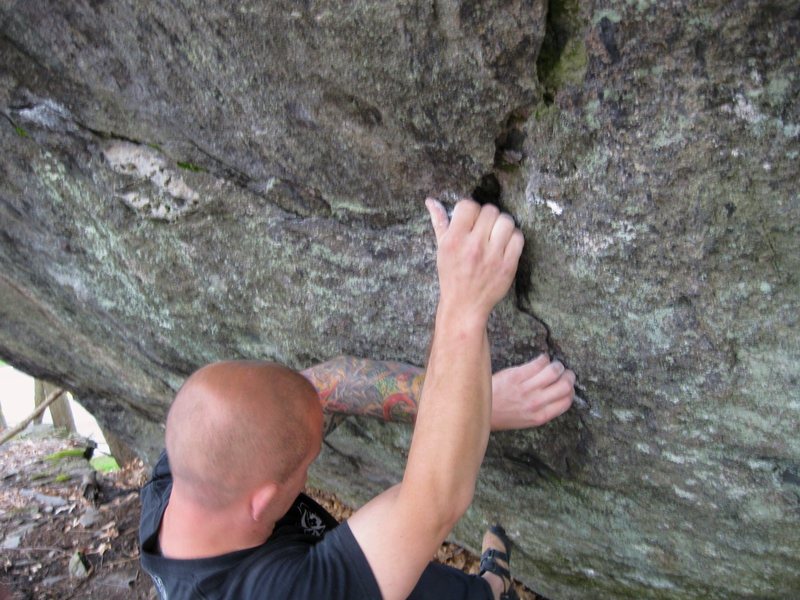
(308, 555)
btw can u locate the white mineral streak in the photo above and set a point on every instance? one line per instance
(49, 114)
(681, 493)
(533, 197)
(147, 164)
(746, 111)
(592, 243)
(554, 206)
(595, 243)
(65, 278)
(589, 572)
(271, 183)
(675, 458)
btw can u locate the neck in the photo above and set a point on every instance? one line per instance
(191, 531)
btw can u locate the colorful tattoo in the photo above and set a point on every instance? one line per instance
(355, 386)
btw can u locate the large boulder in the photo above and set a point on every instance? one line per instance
(184, 182)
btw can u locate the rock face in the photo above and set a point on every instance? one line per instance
(182, 183)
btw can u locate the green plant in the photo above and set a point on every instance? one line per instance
(67, 453)
(104, 464)
(191, 167)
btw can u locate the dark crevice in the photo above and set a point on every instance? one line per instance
(523, 283)
(23, 53)
(292, 198)
(331, 422)
(509, 152)
(214, 167)
(354, 461)
(488, 191)
(608, 31)
(553, 348)
(525, 468)
(532, 461)
(296, 199)
(561, 25)
(509, 148)
(510, 143)
(224, 170)
(109, 135)
(20, 131)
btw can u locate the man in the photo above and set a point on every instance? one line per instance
(225, 517)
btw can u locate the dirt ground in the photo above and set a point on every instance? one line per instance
(67, 531)
(56, 510)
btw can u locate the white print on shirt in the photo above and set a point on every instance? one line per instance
(310, 521)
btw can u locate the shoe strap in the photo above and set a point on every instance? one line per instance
(489, 563)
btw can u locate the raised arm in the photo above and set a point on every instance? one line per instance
(526, 395)
(400, 529)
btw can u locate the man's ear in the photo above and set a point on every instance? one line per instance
(261, 500)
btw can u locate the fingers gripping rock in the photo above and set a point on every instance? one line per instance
(477, 257)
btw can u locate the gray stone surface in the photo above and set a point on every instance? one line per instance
(182, 182)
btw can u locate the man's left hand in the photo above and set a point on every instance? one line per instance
(531, 394)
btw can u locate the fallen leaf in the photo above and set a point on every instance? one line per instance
(102, 549)
(67, 508)
(79, 566)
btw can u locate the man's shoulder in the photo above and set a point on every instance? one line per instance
(307, 556)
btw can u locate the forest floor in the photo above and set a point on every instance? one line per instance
(68, 531)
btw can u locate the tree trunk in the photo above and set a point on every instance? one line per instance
(38, 398)
(60, 410)
(121, 451)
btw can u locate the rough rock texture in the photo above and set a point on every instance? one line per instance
(185, 181)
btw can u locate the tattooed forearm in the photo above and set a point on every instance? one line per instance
(355, 386)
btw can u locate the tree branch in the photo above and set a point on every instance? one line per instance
(54, 395)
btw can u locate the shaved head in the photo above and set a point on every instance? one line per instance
(235, 425)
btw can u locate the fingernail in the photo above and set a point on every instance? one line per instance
(558, 366)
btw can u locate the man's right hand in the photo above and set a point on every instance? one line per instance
(477, 257)
(400, 529)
